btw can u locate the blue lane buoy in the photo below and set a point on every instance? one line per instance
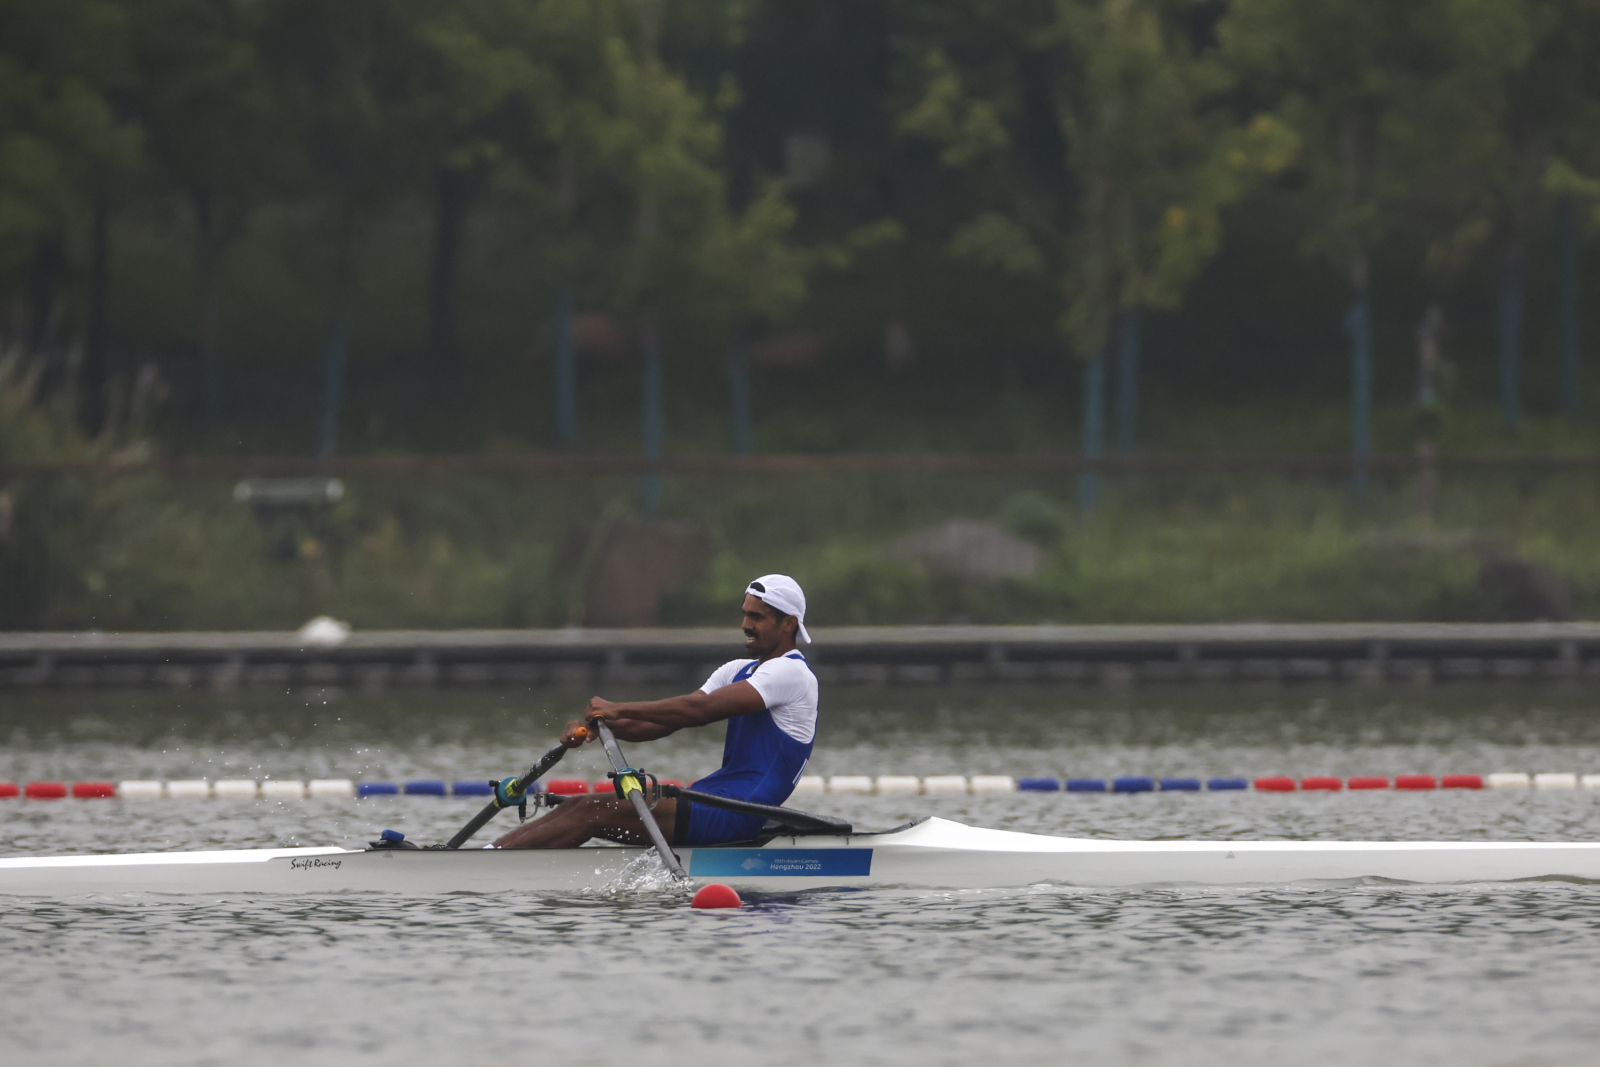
(376, 789)
(1038, 785)
(1217, 785)
(431, 787)
(472, 789)
(1086, 785)
(1180, 785)
(1133, 783)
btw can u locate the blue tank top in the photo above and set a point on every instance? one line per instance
(760, 762)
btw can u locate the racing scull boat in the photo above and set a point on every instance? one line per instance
(927, 854)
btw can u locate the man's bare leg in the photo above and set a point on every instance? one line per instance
(576, 821)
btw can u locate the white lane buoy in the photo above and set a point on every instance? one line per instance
(331, 787)
(323, 632)
(809, 786)
(993, 783)
(189, 789)
(899, 785)
(1555, 780)
(944, 783)
(282, 790)
(235, 789)
(850, 783)
(139, 789)
(1507, 780)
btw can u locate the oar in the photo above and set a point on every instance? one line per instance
(627, 784)
(508, 793)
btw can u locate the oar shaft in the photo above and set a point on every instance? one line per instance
(628, 785)
(480, 820)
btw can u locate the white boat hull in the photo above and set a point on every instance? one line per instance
(932, 854)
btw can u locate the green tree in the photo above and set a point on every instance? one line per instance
(1121, 205)
(355, 82)
(496, 73)
(1386, 101)
(216, 138)
(1574, 177)
(657, 145)
(62, 148)
(624, 158)
(1493, 188)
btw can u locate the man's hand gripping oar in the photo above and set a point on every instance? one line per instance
(628, 784)
(509, 793)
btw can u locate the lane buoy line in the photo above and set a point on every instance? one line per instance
(812, 785)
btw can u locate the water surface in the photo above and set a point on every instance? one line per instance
(1483, 974)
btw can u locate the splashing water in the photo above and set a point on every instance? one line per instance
(644, 875)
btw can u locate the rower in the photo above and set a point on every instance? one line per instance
(770, 702)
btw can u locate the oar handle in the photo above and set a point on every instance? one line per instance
(480, 820)
(628, 785)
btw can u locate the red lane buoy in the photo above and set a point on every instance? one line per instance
(1321, 782)
(91, 790)
(716, 895)
(566, 787)
(1462, 781)
(9, 789)
(1415, 781)
(604, 785)
(1368, 782)
(45, 790)
(1275, 783)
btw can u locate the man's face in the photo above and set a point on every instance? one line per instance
(762, 631)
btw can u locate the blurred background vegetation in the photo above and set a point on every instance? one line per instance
(246, 228)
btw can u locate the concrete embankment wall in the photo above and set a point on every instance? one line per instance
(1409, 652)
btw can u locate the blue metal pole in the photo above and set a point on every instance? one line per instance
(333, 386)
(1567, 235)
(1358, 324)
(1128, 351)
(566, 373)
(654, 419)
(739, 372)
(1510, 343)
(1094, 431)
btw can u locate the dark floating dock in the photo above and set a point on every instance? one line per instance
(1405, 652)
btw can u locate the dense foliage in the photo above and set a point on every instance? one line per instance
(277, 226)
(906, 209)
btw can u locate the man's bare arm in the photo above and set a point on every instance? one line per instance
(647, 720)
(638, 730)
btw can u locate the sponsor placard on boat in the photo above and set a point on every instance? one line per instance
(780, 862)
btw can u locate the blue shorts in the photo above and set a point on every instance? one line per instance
(697, 824)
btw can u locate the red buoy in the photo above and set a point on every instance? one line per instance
(90, 790)
(716, 895)
(566, 787)
(1321, 782)
(1275, 783)
(1462, 781)
(1368, 782)
(604, 785)
(45, 790)
(9, 789)
(1415, 781)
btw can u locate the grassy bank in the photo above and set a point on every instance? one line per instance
(145, 552)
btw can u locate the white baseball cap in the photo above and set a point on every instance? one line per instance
(783, 593)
